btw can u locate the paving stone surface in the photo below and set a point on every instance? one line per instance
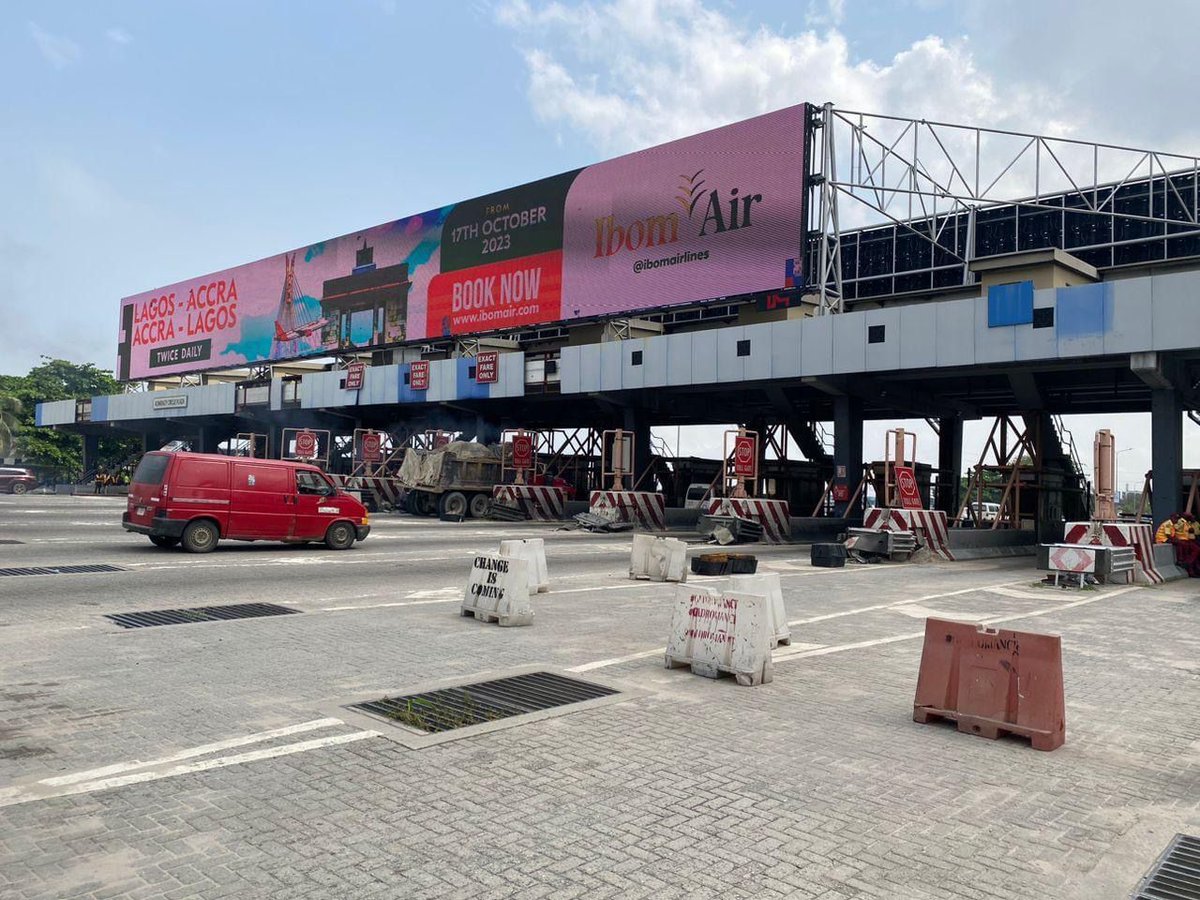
(817, 785)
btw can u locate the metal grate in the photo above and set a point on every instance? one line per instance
(10, 541)
(485, 701)
(1176, 874)
(153, 617)
(61, 570)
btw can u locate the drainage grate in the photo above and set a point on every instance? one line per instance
(154, 617)
(1176, 875)
(485, 701)
(10, 541)
(62, 570)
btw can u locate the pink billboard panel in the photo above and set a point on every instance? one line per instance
(710, 216)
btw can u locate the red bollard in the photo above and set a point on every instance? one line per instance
(992, 682)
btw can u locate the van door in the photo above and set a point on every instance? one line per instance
(315, 506)
(261, 504)
(198, 485)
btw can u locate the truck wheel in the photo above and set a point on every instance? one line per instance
(200, 536)
(453, 503)
(162, 540)
(426, 504)
(340, 536)
(19, 487)
(480, 504)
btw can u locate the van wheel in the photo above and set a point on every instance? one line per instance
(162, 540)
(340, 536)
(19, 487)
(453, 503)
(480, 503)
(200, 536)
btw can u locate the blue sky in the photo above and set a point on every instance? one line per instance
(146, 142)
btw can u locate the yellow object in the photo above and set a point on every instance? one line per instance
(1166, 532)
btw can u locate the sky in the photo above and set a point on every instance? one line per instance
(146, 142)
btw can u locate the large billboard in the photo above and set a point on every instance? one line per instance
(714, 215)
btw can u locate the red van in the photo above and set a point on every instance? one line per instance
(195, 499)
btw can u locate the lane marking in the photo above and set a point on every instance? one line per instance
(807, 650)
(895, 603)
(633, 586)
(202, 750)
(219, 762)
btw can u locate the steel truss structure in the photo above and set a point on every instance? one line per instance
(925, 199)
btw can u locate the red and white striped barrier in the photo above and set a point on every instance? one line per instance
(928, 524)
(646, 509)
(773, 515)
(541, 503)
(1119, 534)
(384, 490)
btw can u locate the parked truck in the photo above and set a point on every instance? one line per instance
(453, 480)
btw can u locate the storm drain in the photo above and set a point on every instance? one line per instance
(62, 570)
(485, 701)
(150, 618)
(10, 541)
(1176, 875)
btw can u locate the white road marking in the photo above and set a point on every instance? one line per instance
(895, 603)
(31, 794)
(202, 750)
(803, 651)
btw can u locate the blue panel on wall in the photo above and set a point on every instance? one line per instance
(466, 387)
(100, 409)
(1010, 304)
(407, 394)
(1082, 310)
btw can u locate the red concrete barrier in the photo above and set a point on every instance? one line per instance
(992, 682)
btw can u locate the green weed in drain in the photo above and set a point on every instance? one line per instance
(427, 715)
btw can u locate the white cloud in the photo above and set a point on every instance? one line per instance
(58, 50)
(118, 35)
(630, 74)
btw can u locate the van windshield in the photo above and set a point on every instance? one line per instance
(151, 469)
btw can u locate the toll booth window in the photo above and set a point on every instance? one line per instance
(310, 483)
(635, 358)
(1043, 317)
(743, 348)
(876, 334)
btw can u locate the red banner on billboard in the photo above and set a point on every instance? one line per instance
(522, 451)
(745, 456)
(487, 367)
(418, 376)
(906, 486)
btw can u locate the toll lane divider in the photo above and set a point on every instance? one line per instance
(643, 509)
(773, 515)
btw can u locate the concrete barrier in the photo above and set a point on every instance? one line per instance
(992, 682)
(645, 509)
(498, 590)
(533, 551)
(658, 559)
(721, 632)
(766, 585)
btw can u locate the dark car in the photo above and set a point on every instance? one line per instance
(17, 481)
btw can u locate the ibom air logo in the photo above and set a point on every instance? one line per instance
(658, 230)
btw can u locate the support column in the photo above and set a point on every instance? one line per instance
(950, 441)
(91, 451)
(207, 439)
(847, 452)
(1166, 452)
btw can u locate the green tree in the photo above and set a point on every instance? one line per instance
(59, 379)
(10, 412)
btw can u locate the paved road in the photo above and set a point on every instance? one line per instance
(217, 760)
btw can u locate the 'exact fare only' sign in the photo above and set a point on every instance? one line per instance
(487, 367)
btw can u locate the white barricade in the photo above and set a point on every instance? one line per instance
(659, 559)
(533, 551)
(766, 585)
(721, 632)
(498, 590)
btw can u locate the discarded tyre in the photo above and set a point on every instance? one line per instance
(742, 564)
(710, 563)
(828, 556)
